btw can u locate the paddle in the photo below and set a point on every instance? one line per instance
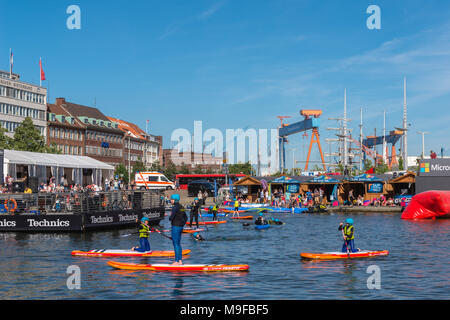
(156, 230)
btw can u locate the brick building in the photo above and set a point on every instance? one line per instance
(103, 140)
(193, 160)
(65, 131)
(138, 145)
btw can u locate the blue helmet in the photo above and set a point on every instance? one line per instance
(175, 197)
(349, 220)
(195, 199)
(195, 234)
(145, 219)
(260, 214)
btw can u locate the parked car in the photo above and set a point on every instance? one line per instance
(200, 185)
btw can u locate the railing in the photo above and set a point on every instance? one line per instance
(78, 203)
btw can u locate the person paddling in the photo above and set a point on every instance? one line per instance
(214, 208)
(197, 236)
(195, 207)
(260, 220)
(236, 207)
(348, 232)
(178, 219)
(144, 231)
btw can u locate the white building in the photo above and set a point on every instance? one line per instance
(19, 100)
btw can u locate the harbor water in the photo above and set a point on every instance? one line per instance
(34, 266)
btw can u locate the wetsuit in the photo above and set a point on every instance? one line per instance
(194, 213)
(178, 219)
(260, 221)
(144, 245)
(349, 234)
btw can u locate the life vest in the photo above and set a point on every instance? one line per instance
(349, 232)
(214, 208)
(236, 204)
(144, 231)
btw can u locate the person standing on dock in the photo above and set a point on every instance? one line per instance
(348, 232)
(144, 231)
(178, 219)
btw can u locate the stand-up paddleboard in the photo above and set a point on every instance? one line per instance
(343, 255)
(125, 253)
(242, 218)
(211, 215)
(185, 230)
(262, 226)
(184, 267)
(201, 223)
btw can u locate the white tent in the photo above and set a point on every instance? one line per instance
(58, 164)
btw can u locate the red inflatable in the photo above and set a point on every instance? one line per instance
(428, 204)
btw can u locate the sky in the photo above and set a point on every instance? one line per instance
(240, 64)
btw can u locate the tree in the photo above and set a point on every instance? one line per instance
(170, 170)
(53, 148)
(400, 163)
(198, 170)
(155, 166)
(137, 167)
(184, 169)
(245, 168)
(28, 138)
(122, 172)
(5, 141)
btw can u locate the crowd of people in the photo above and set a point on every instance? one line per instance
(312, 198)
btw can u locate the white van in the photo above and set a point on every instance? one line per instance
(152, 180)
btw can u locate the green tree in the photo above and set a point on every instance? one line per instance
(170, 170)
(5, 141)
(138, 167)
(197, 170)
(184, 169)
(28, 138)
(53, 148)
(156, 166)
(245, 168)
(400, 163)
(122, 172)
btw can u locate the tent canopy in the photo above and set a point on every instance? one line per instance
(365, 177)
(53, 160)
(323, 179)
(284, 180)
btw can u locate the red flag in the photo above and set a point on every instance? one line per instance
(42, 71)
(370, 171)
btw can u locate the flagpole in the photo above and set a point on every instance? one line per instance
(40, 71)
(10, 65)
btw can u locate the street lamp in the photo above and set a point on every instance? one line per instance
(423, 133)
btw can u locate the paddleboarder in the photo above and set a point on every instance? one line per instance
(236, 207)
(195, 207)
(348, 232)
(178, 219)
(144, 231)
(214, 210)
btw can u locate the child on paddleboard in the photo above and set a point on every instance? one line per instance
(144, 231)
(178, 219)
(348, 232)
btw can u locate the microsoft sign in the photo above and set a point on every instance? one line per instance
(434, 168)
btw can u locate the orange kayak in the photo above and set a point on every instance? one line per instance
(343, 255)
(184, 267)
(192, 230)
(125, 253)
(207, 222)
(242, 218)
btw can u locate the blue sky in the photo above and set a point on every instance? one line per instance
(239, 64)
